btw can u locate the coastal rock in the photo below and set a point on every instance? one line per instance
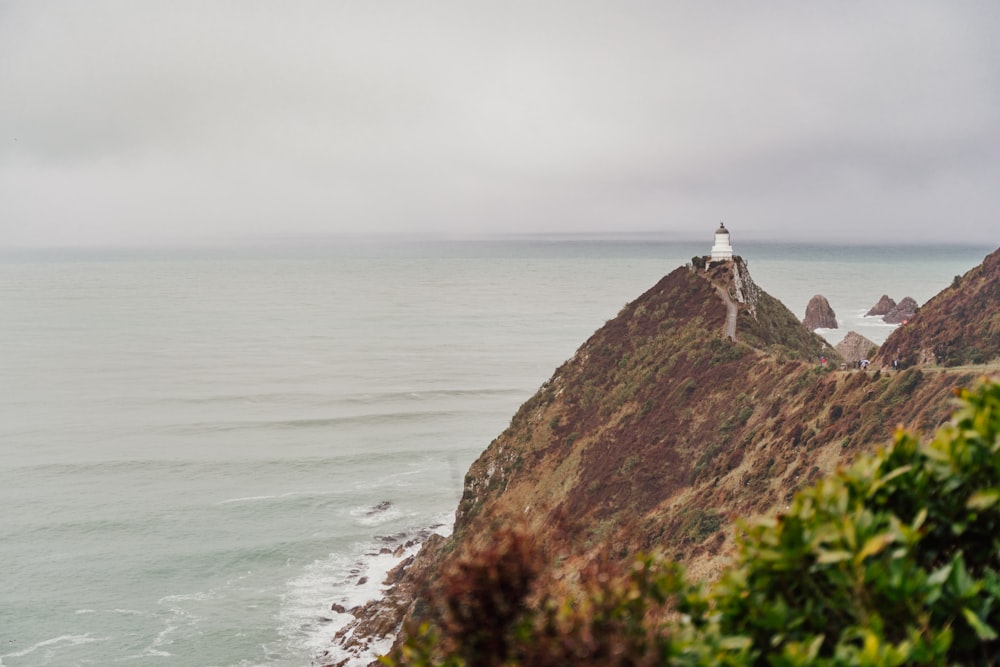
(819, 314)
(855, 347)
(903, 312)
(883, 307)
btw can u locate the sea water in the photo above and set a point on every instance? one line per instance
(202, 451)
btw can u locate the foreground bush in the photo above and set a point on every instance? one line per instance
(895, 560)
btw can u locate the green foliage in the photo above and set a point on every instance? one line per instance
(893, 561)
(700, 523)
(723, 351)
(629, 465)
(778, 331)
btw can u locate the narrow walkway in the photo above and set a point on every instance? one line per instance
(730, 313)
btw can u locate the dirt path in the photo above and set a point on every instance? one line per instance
(730, 313)
(991, 369)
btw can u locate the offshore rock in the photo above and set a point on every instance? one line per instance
(903, 312)
(883, 307)
(856, 347)
(819, 314)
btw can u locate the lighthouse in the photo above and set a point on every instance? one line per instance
(722, 250)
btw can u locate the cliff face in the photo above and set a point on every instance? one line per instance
(959, 326)
(661, 431)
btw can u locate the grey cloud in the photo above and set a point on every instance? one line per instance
(148, 122)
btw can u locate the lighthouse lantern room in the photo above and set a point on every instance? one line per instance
(722, 250)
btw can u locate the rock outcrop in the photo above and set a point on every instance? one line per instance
(819, 314)
(855, 347)
(901, 312)
(884, 305)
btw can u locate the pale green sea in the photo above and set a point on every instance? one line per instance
(199, 448)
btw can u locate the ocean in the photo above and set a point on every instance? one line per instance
(202, 450)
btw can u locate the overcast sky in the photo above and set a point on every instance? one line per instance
(176, 122)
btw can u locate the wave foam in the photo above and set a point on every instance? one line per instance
(320, 606)
(71, 640)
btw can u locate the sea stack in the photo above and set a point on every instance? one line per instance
(819, 314)
(883, 307)
(902, 313)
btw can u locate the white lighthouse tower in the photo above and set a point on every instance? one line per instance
(722, 250)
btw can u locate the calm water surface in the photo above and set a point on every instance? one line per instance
(198, 450)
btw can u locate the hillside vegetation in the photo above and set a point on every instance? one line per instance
(666, 427)
(893, 561)
(660, 431)
(959, 326)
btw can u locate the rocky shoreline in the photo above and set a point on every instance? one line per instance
(364, 631)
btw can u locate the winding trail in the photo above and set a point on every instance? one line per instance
(730, 313)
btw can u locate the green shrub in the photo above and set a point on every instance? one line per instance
(893, 561)
(700, 523)
(629, 464)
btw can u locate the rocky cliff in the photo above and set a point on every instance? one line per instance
(961, 325)
(663, 429)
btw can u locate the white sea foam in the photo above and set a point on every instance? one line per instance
(877, 321)
(183, 597)
(154, 649)
(311, 615)
(49, 645)
(277, 496)
(376, 516)
(250, 499)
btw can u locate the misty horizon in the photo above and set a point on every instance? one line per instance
(139, 125)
